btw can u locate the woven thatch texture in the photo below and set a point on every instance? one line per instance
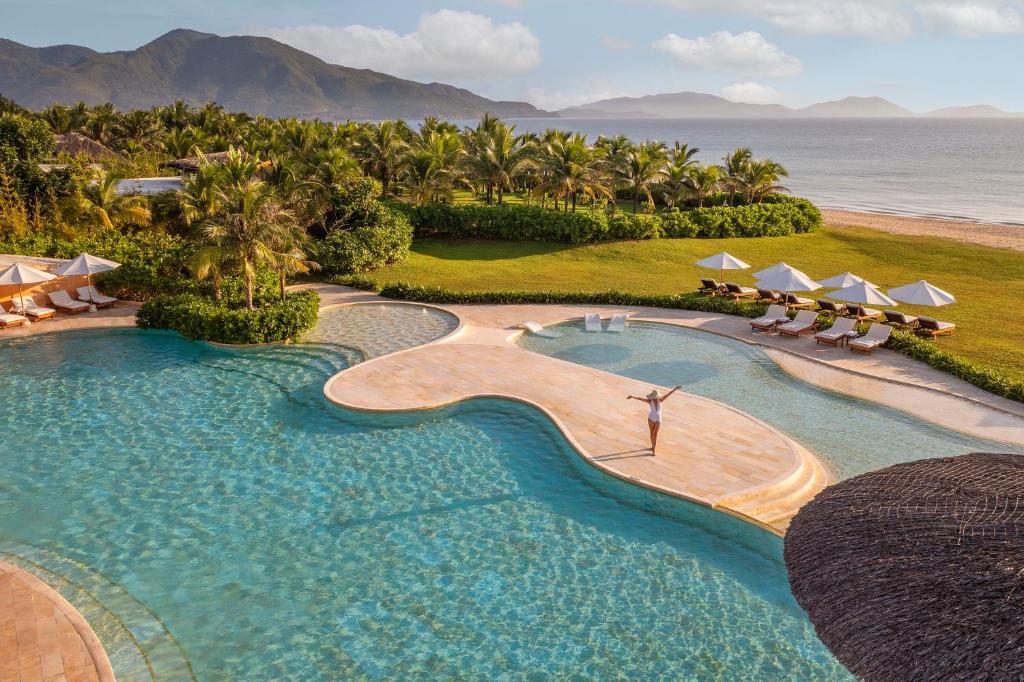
(916, 572)
(76, 144)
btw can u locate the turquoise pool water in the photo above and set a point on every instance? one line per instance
(214, 497)
(377, 329)
(852, 436)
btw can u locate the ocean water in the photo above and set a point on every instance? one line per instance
(242, 528)
(850, 435)
(962, 169)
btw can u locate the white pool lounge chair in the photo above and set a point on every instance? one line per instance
(90, 295)
(592, 322)
(776, 315)
(62, 302)
(539, 330)
(805, 322)
(835, 334)
(877, 336)
(10, 320)
(618, 323)
(31, 309)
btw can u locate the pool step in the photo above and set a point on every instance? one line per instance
(777, 503)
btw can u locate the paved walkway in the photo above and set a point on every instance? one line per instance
(42, 637)
(121, 315)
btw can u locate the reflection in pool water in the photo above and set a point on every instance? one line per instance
(852, 436)
(278, 537)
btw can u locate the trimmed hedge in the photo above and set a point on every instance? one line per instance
(196, 317)
(903, 342)
(779, 216)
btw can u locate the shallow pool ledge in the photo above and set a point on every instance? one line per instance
(708, 452)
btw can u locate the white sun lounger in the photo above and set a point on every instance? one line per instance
(802, 324)
(90, 295)
(31, 309)
(61, 301)
(877, 336)
(618, 323)
(592, 322)
(539, 330)
(10, 320)
(776, 315)
(837, 332)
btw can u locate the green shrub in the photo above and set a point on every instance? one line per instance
(366, 247)
(902, 342)
(198, 317)
(777, 216)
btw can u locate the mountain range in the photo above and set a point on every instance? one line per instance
(241, 73)
(701, 105)
(263, 76)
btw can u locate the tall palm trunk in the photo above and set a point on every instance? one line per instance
(247, 275)
(217, 295)
(281, 280)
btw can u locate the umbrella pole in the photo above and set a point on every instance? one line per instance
(88, 282)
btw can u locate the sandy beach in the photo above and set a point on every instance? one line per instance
(1000, 236)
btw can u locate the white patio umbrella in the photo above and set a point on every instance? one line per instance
(843, 280)
(88, 266)
(787, 280)
(768, 272)
(20, 274)
(922, 293)
(722, 262)
(864, 293)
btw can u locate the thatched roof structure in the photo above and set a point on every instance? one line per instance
(916, 572)
(76, 144)
(192, 164)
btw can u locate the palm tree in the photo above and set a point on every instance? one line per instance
(379, 149)
(734, 164)
(251, 229)
(113, 209)
(292, 245)
(642, 167)
(761, 178)
(139, 126)
(570, 169)
(58, 117)
(703, 181)
(497, 157)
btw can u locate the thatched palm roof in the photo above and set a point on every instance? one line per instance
(76, 144)
(192, 164)
(916, 572)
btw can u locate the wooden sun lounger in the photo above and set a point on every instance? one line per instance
(863, 314)
(62, 302)
(775, 316)
(736, 292)
(877, 336)
(837, 333)
(806, 322)
(710, 286)
(31, 309)
(929, 326)
(798, 303)
(10, 320)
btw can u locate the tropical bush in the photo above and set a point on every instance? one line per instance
(780, 216)
(366, 233)
(199, 317)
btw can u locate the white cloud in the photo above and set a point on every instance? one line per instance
(752, 93)
(553, 101)
(973, 19)
(445, 45)
(873, 19)
(616, 44)
(745, 53)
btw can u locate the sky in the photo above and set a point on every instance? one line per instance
(922, 54)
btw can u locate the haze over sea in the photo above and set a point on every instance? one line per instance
(954, 169)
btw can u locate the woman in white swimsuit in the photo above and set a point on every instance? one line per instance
(654, 401)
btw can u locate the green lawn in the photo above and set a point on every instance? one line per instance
(989, 283)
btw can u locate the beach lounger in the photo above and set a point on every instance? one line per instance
(735, 291)
(929, 326)
(90, 295)
(769, 295)
(877, 336)
(898, 319)
(618, 323)
(806, 322)
(863, 314)
(839, 331)
(62, 302)
(592, 322)
(10, 320)
(31, 309)
(775, 316)
(710, 286)
(831, 307)
(794, 301)
(539, 330)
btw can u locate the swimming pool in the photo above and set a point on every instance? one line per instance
(850, 435)
(214, 496)
(377, 329)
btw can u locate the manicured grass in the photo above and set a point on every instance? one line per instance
(988, 283)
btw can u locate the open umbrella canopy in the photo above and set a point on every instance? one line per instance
(768, 272)
(862, 292)
(922, 293)
(788, 279)
(19, 274)
(723, 261)
(86, 265)
(842, 280)
(916, 571)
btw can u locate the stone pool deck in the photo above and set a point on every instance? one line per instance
(42, 637)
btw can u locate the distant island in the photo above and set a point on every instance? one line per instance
(242, 73)
(702, 105)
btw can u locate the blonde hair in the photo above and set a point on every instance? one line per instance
(653, 394)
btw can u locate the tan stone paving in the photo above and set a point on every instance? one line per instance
(121, 315)
(42, 637)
